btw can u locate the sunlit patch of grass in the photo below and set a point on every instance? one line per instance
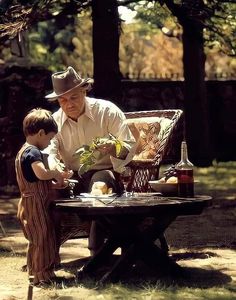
(220, 176)
(159, 291)
(148, 292)
(218, 180)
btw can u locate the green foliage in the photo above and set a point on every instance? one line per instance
(152, 53)
(57, 47)
(217, 17)
(155, 15)
(89, 154)
(221, 27)
(86, 157)
(158, 48)
(60, 34)
(47, 44)
(52, 28)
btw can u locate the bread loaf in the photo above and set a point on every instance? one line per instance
(99, 188)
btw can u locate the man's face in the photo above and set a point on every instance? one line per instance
(73, 103)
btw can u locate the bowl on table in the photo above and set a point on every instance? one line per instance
(165, 188)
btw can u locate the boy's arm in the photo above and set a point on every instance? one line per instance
(44, 174)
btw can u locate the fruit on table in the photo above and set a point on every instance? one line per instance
(171, 179)
(162, 180)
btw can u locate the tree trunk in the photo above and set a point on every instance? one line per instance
(196, 103)
(107, 76)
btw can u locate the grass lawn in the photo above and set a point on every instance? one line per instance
(205, 246)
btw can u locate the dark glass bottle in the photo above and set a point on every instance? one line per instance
(184, 170)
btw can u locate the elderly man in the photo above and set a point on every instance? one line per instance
(80, 119)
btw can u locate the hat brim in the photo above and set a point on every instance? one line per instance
(85, 83)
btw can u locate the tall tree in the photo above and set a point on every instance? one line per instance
(194, 16)
(106, 33)
(106, 25)
(197, 127)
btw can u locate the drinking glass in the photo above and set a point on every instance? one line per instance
(71, 185)
(125, 177)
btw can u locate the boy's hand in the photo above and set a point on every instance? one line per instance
(67, 174)
(58, 176)
(56, 185)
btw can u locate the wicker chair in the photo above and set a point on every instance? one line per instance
(162, 140)
(144, 170)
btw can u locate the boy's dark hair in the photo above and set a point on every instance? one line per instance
(39, 118)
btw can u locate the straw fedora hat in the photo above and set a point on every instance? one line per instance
(65, 81)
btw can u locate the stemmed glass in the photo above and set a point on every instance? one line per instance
(125, 177)
(71, 185)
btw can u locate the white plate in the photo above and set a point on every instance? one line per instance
(148, 194)
(72, 180)
(88, 195)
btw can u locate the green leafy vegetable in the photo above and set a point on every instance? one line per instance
(118, 144)
(89, 154)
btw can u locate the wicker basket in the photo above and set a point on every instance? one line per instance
(145, 170)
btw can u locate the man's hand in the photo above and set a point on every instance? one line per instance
(107, 148)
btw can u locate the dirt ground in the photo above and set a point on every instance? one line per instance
(207, 241)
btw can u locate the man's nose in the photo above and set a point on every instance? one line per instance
(70, 103)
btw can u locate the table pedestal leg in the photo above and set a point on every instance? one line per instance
(137, 242)
(140, 244)
(102, 255)
(125, 261)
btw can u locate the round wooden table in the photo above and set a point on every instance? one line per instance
(137, 205)
(133, 224)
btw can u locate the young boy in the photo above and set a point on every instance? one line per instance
(35, 183)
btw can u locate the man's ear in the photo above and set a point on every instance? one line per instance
(41, 132)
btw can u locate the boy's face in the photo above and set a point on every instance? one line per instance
(44, 139)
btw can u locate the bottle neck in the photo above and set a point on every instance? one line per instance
(184, 152)
(184, 162)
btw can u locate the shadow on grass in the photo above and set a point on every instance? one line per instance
(202, 278)
(12, 248)
(193, 255)
(140, 275)
(194, 278)
(6, 252)
(191, 277)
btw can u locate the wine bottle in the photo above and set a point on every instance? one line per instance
(184, 171)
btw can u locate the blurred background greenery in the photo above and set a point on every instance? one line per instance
(150, 39)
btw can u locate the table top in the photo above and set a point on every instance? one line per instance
(139, 204)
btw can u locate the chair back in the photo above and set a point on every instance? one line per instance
(153, 131)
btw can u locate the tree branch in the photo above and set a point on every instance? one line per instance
(19, 17)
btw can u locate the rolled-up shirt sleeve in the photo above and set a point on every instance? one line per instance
(54, 159)
(119, 128)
